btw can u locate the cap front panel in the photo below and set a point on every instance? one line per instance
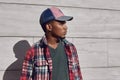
(56, 12)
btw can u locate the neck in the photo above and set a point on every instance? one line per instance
(52, 41)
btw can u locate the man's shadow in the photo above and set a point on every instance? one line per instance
(13, 72)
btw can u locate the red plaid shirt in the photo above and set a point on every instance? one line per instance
(37, 64)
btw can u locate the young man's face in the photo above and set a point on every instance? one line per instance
(59, 29)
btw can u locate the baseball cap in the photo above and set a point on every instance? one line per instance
(53, 13)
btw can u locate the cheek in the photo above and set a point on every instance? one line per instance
(58, 30)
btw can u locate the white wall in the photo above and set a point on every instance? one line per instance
(95, 31)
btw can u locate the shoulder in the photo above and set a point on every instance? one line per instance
(32, 50)
(68, 42)
(70, 45)
(30, 53)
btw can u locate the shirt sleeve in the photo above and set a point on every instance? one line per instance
(27, 67)
(76, 65)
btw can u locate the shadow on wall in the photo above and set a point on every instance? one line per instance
(13, 72)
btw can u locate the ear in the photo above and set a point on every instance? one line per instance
(48, 27)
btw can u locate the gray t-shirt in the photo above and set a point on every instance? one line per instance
(60, 63)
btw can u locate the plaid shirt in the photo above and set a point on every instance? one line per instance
(37, 64)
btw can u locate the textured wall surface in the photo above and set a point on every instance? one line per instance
(95, 31)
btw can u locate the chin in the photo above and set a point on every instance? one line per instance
(62, 37)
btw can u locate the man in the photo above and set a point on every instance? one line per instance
(53, 57)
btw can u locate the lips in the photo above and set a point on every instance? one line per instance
(65, 32)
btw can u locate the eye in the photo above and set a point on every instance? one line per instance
(61, 22)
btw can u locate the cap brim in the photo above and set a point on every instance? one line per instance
(65, 18)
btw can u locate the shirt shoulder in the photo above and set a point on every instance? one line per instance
(29, 54)
(68, 42)
(32, 50)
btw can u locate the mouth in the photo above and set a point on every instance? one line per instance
(65, 32)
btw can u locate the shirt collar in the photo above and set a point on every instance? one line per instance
(44, 41)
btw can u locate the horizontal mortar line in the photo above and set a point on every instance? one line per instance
(18, 36)
(12, 70)
(59, 6)
(66, 37)
(93, 37)
(101, 67)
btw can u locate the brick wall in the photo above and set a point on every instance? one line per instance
(95, 31)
